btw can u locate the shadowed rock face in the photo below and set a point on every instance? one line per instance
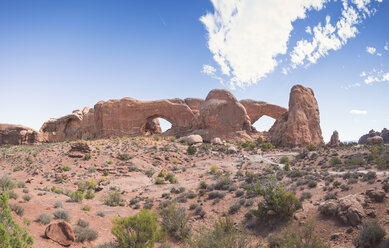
(300, 126)
(18, 135)
(219, 115)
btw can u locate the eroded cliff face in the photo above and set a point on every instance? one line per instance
(300, 126)
(18, 135)
(219, 115)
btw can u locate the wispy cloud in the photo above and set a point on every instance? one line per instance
(371, 50)
(351, 86)
(329, 37)
(246, 36)
(386, 47)
(375, 76)
(211, 71)
(358, 112)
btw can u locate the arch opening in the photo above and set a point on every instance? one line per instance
(156, 125)
(264, 123)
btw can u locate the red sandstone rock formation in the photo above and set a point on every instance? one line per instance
(18, 135)
(222, 115)
(334, 142)
(219, 115)
(300, 126)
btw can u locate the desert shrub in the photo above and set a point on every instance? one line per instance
(57, 204)
(335, 161)
(86, 208)
(284, 160)
(66, 168)
(11, 234)
(85, 234)
(312, 184)
(298, 237)
(223, 182)
(87, 156)
(191, 150)
(44, 219)
(216, 194)
(27, 198)
(171, 178)
(13, 195)
(267, 146)
(223, 234)
(311, 148)
(6, 183)
(100, 213)
(234, 208)
(138, 231)
(62, 214)
(287, 167)
(305, 195)
(302, 154)
(175, 222)
(76, 196)
(19, 210)
(114, 199)
(124, 156)
(278, 200)
(213, 169)
(89, 195)
(330, 195)
(159, 180)
(385, 187)
(239, 193)
(82, 223)
(26, 190)
(370, 235)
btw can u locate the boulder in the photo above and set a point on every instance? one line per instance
(192, 139)
(153, 127)
(300, 126)
(376, 140)
(232, 149)
(348, 209)
(334, 142)
(78, 150)
(376, 195)
(216, 141)
(60, 232)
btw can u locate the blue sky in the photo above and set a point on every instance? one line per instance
(57, 56)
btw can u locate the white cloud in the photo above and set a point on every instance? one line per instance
(375, 76)
(329, 37)
(246, 36)
(386, 47)
(208, 69)
(358, 112)
(371, 50)
(211, 71)
(351, 86)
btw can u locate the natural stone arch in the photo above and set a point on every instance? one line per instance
(257, 109)
(129, 116)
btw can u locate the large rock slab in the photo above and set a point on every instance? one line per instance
(18, 135)
(60, 232)
(300, 126)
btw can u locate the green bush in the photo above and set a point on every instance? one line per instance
(284, 160)
(11, 234)
(175, 222)
(114, 199)
(6, 183)
(267, 146)
(335, 161)
(76, 196)
(191, 150)
(311, 148)
(370, 235)
(298, 237)
(223, 235)
(124, 156)
(278, 200)
(87, 156)
(138, 231)
(89, 195)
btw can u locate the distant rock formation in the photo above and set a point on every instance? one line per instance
(300, 126)
(220, 115)
(374, 137)
(18, 135)
(334, 142)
